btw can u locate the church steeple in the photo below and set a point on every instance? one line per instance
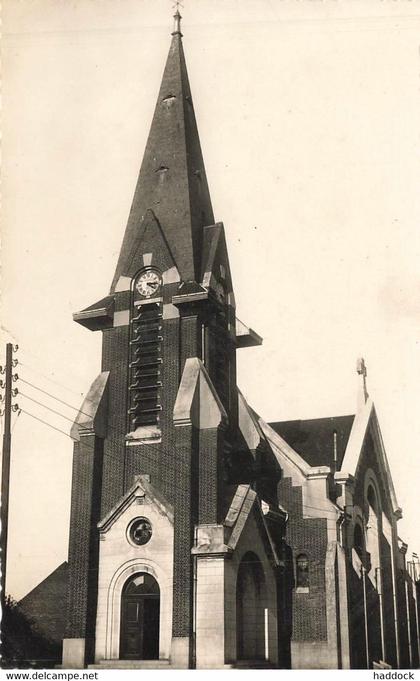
(172, 181)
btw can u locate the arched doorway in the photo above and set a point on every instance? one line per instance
(251, 610)
(140, 604)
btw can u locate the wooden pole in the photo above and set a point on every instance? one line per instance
(5, 469)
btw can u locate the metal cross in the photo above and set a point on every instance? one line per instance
(362, 371)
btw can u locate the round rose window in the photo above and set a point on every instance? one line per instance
(140, 531)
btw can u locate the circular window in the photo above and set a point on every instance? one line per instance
(140, 531)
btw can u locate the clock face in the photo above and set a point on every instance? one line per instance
(148, 283)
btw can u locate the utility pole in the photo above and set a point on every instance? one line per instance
(5, 468)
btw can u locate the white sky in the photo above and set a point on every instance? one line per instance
(308, 115)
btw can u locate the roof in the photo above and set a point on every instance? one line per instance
(172, 179)
(45, 604)
(313, 439)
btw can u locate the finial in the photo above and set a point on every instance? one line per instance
(362, 371)
(177, 19)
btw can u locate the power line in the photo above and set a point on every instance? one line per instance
(61, 385)
(46, 407)
(54, 397)
(16, 418)
(75, 440)
(63, 432)
(42, 360)
(304, 506)
(46, 423)
(79, 411)
(324, 510)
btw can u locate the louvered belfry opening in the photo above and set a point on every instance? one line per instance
(145, 366)
(218, 331)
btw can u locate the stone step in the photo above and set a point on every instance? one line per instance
(131, 664)
(253, 664)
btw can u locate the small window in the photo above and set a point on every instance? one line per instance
(140, 531)
(302, 572)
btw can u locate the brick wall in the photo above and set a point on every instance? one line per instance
(369, 460)
(306, 535)
(83, 542)
(185, 517)
(115, 360)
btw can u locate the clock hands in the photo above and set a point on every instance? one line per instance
(148, 284)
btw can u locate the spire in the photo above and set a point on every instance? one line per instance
(172, 180)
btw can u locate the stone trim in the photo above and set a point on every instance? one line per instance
(142, 489)
(92, 416)
(197, 402)
(122, 318)
(123, 284)
(124, 572)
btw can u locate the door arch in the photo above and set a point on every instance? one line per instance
(251, 602)
(140, 616)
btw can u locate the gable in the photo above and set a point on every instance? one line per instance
(142, 493)
(215, 259)
(151, 240)
(244, 523)
(365, 450)
(371, 466)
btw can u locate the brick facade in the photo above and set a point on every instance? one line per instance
(309, 536)
(181, 446)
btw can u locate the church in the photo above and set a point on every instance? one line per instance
(202, 536)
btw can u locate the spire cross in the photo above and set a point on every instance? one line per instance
(177, 18)
(362, 371)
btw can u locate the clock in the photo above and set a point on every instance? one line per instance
(148, 283)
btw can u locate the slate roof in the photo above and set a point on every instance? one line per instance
(313, 439)
(46, 604)
(172, 180)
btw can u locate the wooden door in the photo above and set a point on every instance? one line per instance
(140, 605)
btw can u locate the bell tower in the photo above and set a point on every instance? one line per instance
(160, 421)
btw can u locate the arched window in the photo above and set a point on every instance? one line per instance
(358, 541)
(302, 571)
(373, 553)
(371, 497)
